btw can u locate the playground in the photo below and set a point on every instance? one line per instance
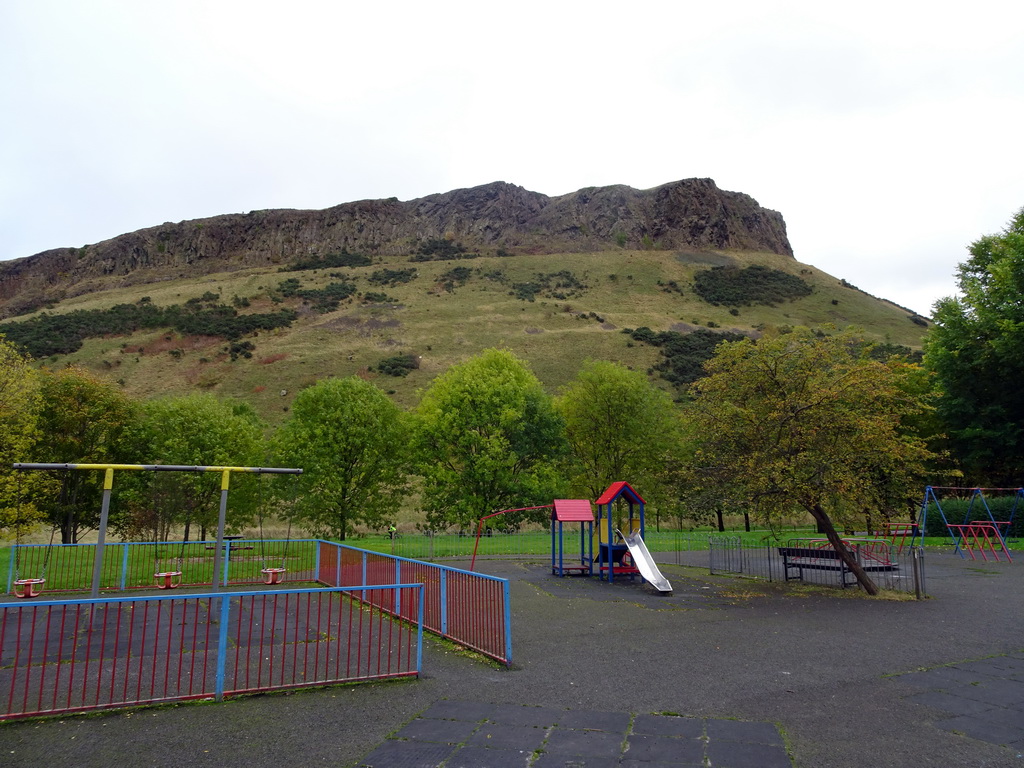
(845, 683)
(693, 667)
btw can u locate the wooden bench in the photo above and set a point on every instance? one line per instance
(813, 559)
(231, 538)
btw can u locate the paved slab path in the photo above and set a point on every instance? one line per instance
(826, 679)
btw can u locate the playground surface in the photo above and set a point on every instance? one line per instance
(735, 672)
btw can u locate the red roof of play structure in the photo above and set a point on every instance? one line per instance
(573, 511)
(615, 490)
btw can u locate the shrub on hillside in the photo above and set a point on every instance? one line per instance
(46, 334)
(755, 284)
(682, 354)
(399, 365)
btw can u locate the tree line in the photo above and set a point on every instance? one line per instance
(798, 419)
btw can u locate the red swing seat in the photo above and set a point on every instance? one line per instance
(28, 587)
(272, 575)
(167, 579)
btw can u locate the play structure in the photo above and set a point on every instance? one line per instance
(163, 578)
(978, 529)
(604, 550)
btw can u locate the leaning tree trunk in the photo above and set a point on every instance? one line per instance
(826, 527)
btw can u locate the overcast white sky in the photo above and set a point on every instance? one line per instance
(887, 133)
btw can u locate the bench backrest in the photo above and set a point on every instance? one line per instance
(824, 554)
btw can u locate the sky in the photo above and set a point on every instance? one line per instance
(886, 133)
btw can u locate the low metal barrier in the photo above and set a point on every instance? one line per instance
(471, 609)
(889, 567)
(74, 655)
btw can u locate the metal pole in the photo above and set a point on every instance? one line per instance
(97, 563)
(918, 591)
(225, 480)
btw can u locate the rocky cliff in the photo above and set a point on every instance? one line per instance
(692, 213)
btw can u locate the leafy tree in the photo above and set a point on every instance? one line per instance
(488, 438)
(198, 430)
(351, 442)
(618, 426)
(811, 421)
(19, 403)
(82, 420)
(976, 349)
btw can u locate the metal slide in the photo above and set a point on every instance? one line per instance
(645, 563)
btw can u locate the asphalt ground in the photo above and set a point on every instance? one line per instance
(843, 681)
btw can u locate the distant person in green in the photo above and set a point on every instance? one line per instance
(392, 531)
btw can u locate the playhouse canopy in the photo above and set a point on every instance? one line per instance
(572, 511)
(617, 490)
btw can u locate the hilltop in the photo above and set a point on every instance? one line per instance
(259, 305)
(496, 218)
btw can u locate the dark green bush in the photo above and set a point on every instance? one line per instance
(554, 285)
(392, 277)
(399, 365)
(733, 286)
(455, 277)
(46, 334)
(441, 249)
(321, 300)
(682, 354)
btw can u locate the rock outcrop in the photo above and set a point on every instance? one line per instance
(692, 213)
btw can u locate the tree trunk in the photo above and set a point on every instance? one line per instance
(721, 522)
(746, 522)
(825, 526)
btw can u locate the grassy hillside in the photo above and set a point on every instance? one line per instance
(449, 311)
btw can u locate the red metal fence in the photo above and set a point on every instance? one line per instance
(66, 656)
(471, 609)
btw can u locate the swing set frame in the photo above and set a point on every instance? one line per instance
(985, 536)
(166, 579)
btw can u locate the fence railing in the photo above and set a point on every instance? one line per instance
(901, 570)
(73, 655)
(471, 609)
(133, 565)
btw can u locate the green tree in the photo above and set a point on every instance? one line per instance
(619, 427)
(488, 438)
(19, 404)
(82, 420)
(804, 420)
(197, 430)
(976, 349)
(351, 441)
